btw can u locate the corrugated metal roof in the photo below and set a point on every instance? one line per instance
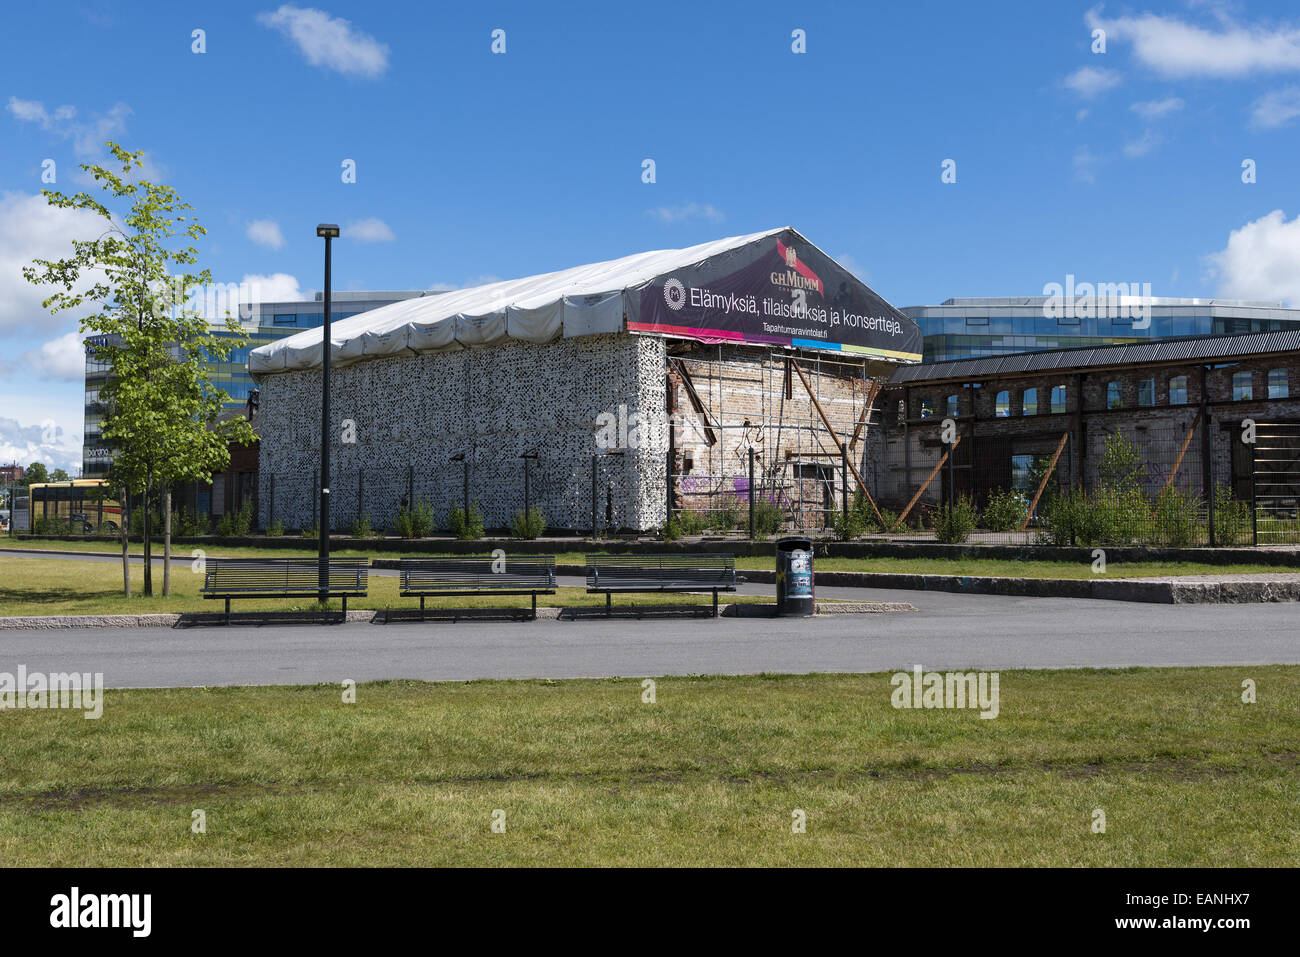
(1199, 348)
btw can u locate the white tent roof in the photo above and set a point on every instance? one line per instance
(572, 302)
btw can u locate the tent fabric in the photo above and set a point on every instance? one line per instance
(581, 301)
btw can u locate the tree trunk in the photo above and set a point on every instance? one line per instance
(167, 541)
(126, 559)
(148, 531)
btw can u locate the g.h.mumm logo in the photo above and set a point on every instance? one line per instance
(674, 294)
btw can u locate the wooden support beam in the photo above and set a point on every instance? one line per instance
(698, 404)
(836, 439)
(925, 485)
(1187, 440)
(872, 391)
(1060, 447)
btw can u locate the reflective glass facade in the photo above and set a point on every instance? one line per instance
(965, 328)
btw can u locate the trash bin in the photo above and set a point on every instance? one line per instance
(794, 577)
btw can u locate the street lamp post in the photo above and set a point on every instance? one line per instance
(328, 232)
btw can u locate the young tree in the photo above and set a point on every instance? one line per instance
(58, 475)
(161, 408)
(35, 474)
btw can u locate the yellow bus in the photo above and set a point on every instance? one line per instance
(82, 505)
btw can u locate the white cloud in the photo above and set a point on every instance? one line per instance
(1085, 164)
(62, 359)
(31, 228)
(1175, 48)
(1261, 260)
(329, 42)
(265, 232)
(277, 287)
(686, 211)
(1148, 141)
(1276, 108)
(48, 442)
(88, 137)
(370, 230)
(1091, 81)
(1152, 110)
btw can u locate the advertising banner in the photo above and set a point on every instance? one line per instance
(780, 291)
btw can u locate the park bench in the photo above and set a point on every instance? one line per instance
(425, 577)
(229, 578)
(660, 573)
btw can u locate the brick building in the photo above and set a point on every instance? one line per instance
(1181, 402)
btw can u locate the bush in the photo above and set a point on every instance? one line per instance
(768, 517)
(311, 531)
(954, 523)
(528, 524)
(51, 526)
(888, 519)
(672, 529)
(731, 515)
(466, 526)
(1177, 518)
(1121, 464)
(186, 523)
(275, 529)
(361, 527)
(692, 522)
(1231, 517)
(236, 524)
(1005, 511)
(415, 522)
(848, 526)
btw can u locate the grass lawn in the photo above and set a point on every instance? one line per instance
(41, 586)
(708, 775)
(994, 567)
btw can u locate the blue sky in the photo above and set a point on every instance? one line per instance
(1116, 166)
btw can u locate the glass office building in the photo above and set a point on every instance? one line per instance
(967, 328)
(269, 321)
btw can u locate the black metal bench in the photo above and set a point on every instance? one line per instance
(229, 578)
(423, 577)
(662, 573)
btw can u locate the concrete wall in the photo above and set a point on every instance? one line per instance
(493, 404)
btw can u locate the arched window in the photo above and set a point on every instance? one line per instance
(1242, 387)
(1002, 404)
(1114, 397)
(1278, 386)
(1029, 402)
(953, 406)
(1058, 398)
(1147, 392)
(1178, 390)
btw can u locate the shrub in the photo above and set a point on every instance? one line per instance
(528, 524)
(1177, 517)
(1063, 520)
(416, 522)
(768, 517)
(51, 526)
(236, 524)
(186, 523)
(275, 529)
(465, 525)
(692, 522)
(730, 515)
(361, 527)
(1121, 465)
(888, 519)
(1005, 511)
(1231, 517)
(311, 531)
(848, 526)
(953, 523)
(672, 529)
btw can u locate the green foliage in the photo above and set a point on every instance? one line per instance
(361, 527)
(58, 475)
(1177, 518)
(415, 522)
(1005, 511)
(465, 525)
(35, 474)
(1231, 517)
(672, 529)
(732, 514)
(236, 524)
(1121, 465)
(275, 529)
(528, 524)
(692, 522)
(848, 526)
(311, 531)
(769, 517)
(888, 519)
(187, 523)
(953, 523)
(51, 526)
